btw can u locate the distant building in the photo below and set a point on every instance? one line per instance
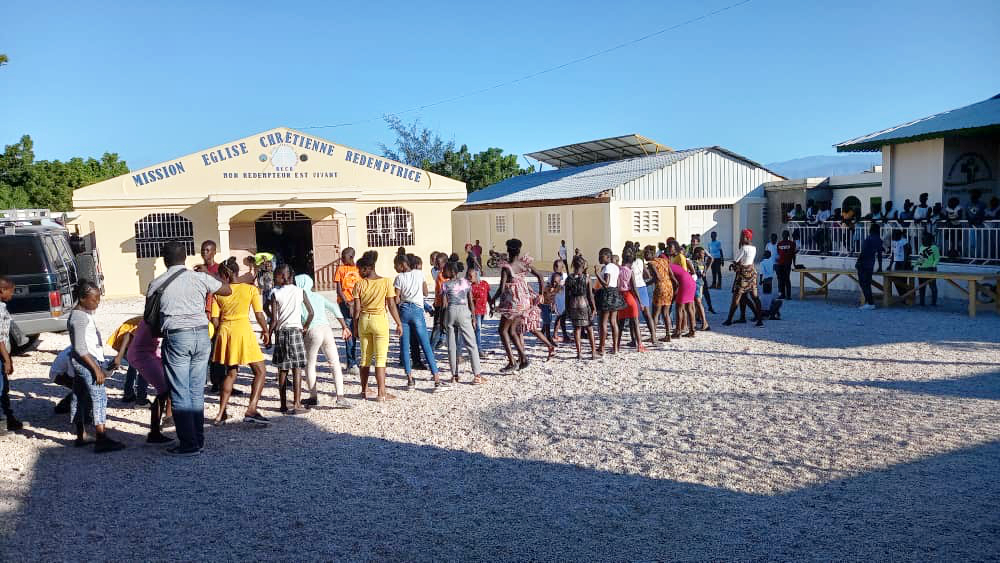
(605, 192)
(853, 191)
(947, 154)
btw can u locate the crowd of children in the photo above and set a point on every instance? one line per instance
(665, 286)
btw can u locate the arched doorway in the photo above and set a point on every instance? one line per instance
(851, 202)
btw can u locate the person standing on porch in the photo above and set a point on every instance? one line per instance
(871, 250)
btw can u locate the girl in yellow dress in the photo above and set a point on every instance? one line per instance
(235, 342)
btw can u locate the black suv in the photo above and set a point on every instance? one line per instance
(39, 259)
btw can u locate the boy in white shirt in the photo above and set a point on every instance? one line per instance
(287, 331)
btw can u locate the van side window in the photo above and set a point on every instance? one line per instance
(55, 260)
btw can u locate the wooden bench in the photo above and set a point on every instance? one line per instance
(916, 280)
(826, 277)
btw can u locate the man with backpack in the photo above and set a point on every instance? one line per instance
(175, 307)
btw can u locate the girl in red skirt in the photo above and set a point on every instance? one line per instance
(629, 314)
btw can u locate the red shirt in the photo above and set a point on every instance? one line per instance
(481, 293)
(786, 252)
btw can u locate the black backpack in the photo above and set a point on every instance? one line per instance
(151, 314)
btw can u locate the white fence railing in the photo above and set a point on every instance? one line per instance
(976, 245)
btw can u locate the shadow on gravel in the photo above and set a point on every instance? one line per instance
(981, 386)
(842, 325)
(299, 493)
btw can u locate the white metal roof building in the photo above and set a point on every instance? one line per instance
(646, 198)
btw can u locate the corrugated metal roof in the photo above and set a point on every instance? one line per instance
(584, 181)
(600, 150)
(979, 117)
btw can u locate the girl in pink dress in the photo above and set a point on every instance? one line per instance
(518, 306)
(684, 294)
(142, 350)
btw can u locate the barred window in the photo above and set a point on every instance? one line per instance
(282, 215)
(554, 222)
(389, 226)
(157, 228)
(645, 221)
(501, 223)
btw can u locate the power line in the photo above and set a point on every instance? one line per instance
(540, 72)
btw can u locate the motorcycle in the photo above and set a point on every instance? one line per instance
(495, 257)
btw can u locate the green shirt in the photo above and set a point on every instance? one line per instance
(929, 256)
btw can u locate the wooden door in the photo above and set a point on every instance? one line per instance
(326, 251)
(242, 242)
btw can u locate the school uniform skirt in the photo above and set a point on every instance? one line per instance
(289, 349)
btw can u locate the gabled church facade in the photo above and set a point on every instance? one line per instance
(282, 191)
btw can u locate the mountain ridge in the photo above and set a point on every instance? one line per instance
(825, 165)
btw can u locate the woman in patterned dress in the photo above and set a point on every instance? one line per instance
(663, 295)
(745, 284)
(518, 306)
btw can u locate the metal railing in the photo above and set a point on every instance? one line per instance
(964, 244)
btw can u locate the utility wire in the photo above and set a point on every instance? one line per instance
(540, 72)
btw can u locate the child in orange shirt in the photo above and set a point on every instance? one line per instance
(345, 279)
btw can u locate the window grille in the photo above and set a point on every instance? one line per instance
(645, 221)
(282, 216)
(157, 228)
(554, 222)
(501, 223)
(390, 226)
(708, 207)
(764, 218)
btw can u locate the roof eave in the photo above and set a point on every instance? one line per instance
(876, 145)
(599, 198)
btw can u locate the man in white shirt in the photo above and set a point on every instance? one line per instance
(562, 252)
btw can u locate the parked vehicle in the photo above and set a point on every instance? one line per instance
(37, 256)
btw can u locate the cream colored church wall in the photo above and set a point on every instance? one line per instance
(114, 232)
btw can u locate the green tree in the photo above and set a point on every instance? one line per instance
(414, 144)
(3, 59)
(25, 182)
(15, 173)
(420, 146)
(477, 170)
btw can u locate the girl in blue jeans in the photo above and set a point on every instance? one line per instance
(410, 289)
(88, 360)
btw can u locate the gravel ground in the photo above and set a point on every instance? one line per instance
(833, 434)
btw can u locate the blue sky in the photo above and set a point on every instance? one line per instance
(771, 79)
